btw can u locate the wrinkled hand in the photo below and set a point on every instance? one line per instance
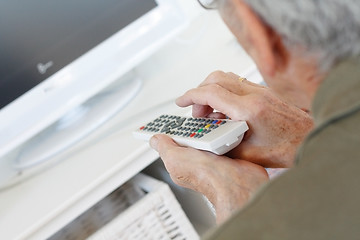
(227, 183)
(276, 128)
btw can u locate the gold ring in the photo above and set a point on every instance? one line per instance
(241, 79)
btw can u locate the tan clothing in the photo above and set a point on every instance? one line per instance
(320, 197)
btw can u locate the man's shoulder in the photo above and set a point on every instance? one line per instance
(339, 93)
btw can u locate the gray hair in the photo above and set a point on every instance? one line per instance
(329, 29)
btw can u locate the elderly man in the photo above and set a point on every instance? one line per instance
(308, 53)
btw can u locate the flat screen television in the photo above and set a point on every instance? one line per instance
(55, 56)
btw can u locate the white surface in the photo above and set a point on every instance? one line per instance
(37, 208)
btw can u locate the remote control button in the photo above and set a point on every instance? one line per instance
(199, 135)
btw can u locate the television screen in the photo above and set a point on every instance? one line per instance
(37, 37)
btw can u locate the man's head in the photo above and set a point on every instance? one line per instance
(294, 43)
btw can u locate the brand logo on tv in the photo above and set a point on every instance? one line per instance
(42, 68)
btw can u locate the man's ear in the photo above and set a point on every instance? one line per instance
(263, 44)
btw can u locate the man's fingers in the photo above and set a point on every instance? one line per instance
(219, 85)
(216, 115)
(217, 98)
(168, 151)
(183, 163)
(166, 143)
(201, 110)
(232, 82)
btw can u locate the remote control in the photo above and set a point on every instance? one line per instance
(214, 135)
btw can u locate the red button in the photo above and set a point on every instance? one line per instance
(193, 134)
(142, 127)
